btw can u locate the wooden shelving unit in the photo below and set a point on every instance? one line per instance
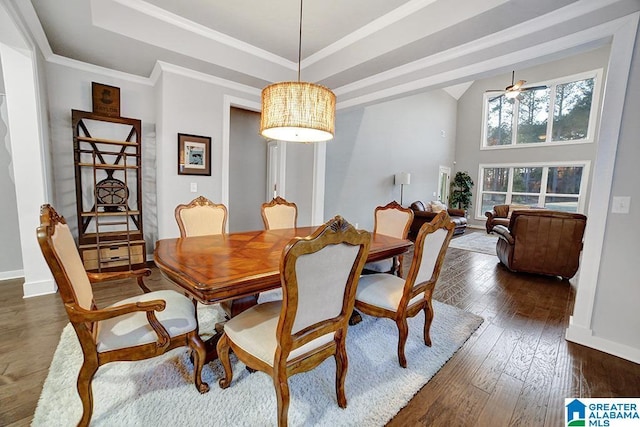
(108, 161)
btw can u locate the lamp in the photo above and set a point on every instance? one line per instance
(402, 178)
(298, 111)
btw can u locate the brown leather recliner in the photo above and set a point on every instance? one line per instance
(499, 215)
(542, 242)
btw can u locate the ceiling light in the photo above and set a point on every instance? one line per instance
(298, 111)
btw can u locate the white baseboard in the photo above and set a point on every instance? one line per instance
(580, 335)
(35, 289)
(14, 274)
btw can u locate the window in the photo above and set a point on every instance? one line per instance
(553, 112)
(553, 186)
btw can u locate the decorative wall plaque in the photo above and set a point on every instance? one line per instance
(106, 99)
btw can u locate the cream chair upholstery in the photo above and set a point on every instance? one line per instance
(136, 328)
(279, 213)
(391, 220)
(386, 295)
(201, 217)
(282, 338)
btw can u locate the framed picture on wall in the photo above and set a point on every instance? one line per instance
(194, 155)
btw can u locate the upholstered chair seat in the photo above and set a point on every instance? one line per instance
(255, 331)
(178, 317)
(382, 290)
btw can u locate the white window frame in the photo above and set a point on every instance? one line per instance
(585, 164)
(591, 126)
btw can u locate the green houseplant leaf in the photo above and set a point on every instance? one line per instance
(461, 191)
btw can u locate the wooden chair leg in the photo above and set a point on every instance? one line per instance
(281, 383)
(199, 354)
(342, 363)
(403, 333)
(87, 371)
(428, 318)
(223, 354)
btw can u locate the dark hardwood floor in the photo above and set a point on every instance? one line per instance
(515, 370)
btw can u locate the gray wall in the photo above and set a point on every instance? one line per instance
(615, 315)
(374, 143)
(10, 253)
(299, 179)
(469, 128)
(247, 171)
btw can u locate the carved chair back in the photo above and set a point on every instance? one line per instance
(279, 213)
(201, 217)
(393, 220)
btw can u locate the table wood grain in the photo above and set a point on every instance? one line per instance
(225, 267)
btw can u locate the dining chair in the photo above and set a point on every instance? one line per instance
(201, 217)
(136, 328)
(387, 295)
(319, 275)
(395, 221)
(279, 213)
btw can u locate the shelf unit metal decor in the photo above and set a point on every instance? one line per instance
(108, 161)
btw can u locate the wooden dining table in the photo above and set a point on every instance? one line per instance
(233, 268)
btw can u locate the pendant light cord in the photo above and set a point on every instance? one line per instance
(300, 43)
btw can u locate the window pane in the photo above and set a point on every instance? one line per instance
(571, 112)
(527, 180)
(490, 200)
(533, 113)
(520, 199)
(495, 179)
(564, 180)
(566, 204)
(499, 119)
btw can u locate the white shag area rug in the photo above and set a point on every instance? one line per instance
(160, 391)
(476, 242)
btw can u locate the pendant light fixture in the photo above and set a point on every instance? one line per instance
(298, 111)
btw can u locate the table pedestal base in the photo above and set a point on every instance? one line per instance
(232, 308)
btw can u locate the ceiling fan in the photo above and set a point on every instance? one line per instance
(514, 90)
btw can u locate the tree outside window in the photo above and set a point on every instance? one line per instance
(526, 119)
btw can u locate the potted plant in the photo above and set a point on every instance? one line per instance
(461, 190)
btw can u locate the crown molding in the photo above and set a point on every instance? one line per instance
(162, 67)
(97, 69)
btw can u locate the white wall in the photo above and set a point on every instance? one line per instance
(374, 143)
(27, 123)
(470, 119)
(616, 318)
